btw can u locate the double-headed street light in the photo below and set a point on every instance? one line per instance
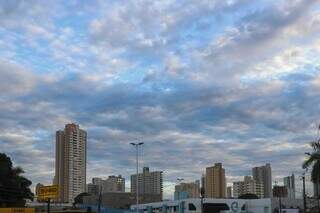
(137, 173)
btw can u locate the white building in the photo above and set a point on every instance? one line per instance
(149, 182)
(248, 186)
(70, 164)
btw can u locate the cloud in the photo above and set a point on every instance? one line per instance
(198, 81)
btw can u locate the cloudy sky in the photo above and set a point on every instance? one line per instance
(198, 81)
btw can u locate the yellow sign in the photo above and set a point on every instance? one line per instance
(17, 210)
(48, 192)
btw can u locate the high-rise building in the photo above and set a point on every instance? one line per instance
(229, 192)
(215, 182)
(187, 190)
(263, 175)
(71, 156)
(289, 182)
(114, 184)
(149, 182)
(248, 186)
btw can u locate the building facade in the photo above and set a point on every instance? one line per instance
(187, 190)
(229, 192)
(280, 191)
(148, 182)
(93, 189)
(248, 186)
(289, 182)
(215, 182)
(114, 184)
(70, 164)
(263, 175)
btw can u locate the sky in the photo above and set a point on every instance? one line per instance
(198, 81)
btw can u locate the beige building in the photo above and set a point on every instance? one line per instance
(248, 186)
(215, 182)
(187, 190)
(149, 182)
(70, 171)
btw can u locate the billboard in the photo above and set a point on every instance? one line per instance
(17, 210)
(48, 192)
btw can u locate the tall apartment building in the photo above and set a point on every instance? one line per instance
(114, 184)
(187, 190)
(289, 182)
(148, 182)
(70, 168)
(248, 186)
(215, 182)
(263, 175)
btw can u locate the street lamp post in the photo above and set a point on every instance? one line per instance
(137, 173)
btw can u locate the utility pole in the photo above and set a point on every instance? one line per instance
(48, 205)
(280, 205)
(304, 192)
(99, 199)
(137, 173)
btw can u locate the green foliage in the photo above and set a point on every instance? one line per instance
(14, 188)
(313, 161)
(248, 196)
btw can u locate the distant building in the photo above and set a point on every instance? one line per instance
(187, 190)
(149, 182)
(289, 182)
(38, 186)
(70, 164)
(114, 184)
(280, 191)
(229, 192)
(93, 189)
(248, 186)
(203, 184)
(215, 182)
(263, 175)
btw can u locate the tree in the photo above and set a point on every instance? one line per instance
(14, 188)
(248, 196)
(313, 161)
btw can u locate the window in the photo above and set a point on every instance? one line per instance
(192, 207)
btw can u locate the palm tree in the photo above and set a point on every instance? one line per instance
(313, 161)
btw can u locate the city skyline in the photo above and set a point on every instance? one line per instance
(199, 82)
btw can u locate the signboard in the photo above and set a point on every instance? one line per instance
(48, 192)
(17, 210)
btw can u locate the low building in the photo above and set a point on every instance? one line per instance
(280, 191)
(187, 190)
(248, 186)
(113, 184)
(93, 189)
(120, 200)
